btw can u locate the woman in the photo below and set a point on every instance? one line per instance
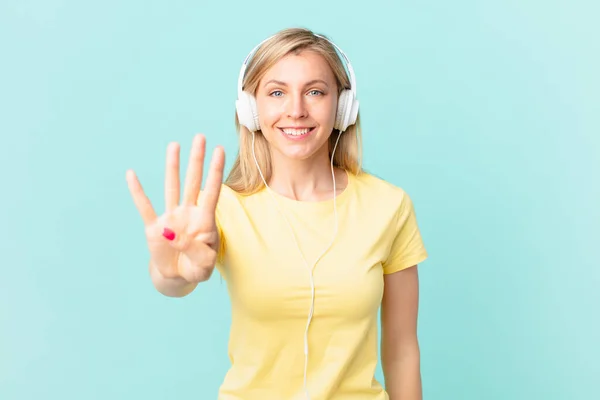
(309, 244)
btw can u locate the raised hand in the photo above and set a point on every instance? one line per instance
(184, 241)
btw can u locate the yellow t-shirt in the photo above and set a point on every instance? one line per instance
(269, 286)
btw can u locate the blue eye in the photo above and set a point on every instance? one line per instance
(276, 91)
(318, 92)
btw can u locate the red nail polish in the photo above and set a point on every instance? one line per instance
(168, 234)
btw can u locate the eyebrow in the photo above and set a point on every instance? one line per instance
(280, 83)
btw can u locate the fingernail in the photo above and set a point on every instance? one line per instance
(168, 234)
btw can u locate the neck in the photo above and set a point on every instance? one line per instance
(305, 180)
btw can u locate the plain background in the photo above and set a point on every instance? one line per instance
(485, 112)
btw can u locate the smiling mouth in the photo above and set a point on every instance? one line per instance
(296, 132)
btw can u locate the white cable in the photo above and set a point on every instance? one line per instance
(310, 270)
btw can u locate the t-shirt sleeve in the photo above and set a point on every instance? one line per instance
(407, 247)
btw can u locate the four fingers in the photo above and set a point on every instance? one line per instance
(193, 182)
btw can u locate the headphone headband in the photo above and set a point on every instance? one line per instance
(348, 64)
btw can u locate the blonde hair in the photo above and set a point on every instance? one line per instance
(244, 177)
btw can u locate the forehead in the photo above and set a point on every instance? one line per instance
(297, 68)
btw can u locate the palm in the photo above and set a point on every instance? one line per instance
(192, 220)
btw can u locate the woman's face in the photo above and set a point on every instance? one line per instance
(296, 102)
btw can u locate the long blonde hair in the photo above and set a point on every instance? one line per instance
(244, 177)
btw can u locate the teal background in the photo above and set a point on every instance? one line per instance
(486, 113)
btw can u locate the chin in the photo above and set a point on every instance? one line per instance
(297, 155)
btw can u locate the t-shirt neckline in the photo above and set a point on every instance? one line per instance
(319, 204)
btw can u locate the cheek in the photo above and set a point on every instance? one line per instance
(325, 112)
(268, 114)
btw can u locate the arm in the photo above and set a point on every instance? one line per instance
(399, 347)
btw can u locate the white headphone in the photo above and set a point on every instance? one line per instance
(347, 110)
(346, 115)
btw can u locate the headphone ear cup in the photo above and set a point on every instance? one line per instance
(247, 112)
(352, 112)
(347, 110)
(340, 115)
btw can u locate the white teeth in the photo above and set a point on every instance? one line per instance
(296, 132)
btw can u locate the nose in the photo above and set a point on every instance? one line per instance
(296, 107)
